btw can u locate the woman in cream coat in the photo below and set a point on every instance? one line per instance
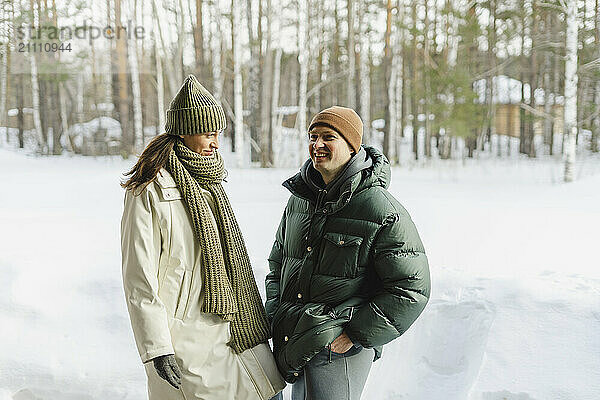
(198, 319)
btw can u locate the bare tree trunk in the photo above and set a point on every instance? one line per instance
(45, 89)
(533, 78)
(446, 147)
(275, 128)
(523, 67)
(491, 59)
(56, 99)
(387, 84)
(108, 77)
(254, 119)
(138, 128)
(570, 124)
(199, 42)
(335, 54)
(4, 68)
(79, 98)
(20, 107)
(414, 95)
(160, 86)
(427, 81)
(127, 139)
(171, 80)
(216, 53)
(547, 70)
(320, 53)
(556, 82)
(391, 114)
(145, 64)
(181, 25)
(365, 76)
(351, 95)
(94, 77)
(35, 95)
(583, 83)
(240, 147)
(8, 59)
(303, 60)
(63, 116)
(403, 91)
(266, 143)
(19, 90)
(596, 121)
(398, 65)
(54, 116)
(231, 78)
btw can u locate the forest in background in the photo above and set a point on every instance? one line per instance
(442, 78)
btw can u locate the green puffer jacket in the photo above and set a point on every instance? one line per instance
(347, 257)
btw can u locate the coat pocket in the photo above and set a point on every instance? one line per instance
(340, 254)
(170, 280)
(184, 295)
(317, 327)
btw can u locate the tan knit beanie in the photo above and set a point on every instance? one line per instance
(343, 120)
(194, 110)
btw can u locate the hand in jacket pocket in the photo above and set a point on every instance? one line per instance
(341, 344)
(167, 368)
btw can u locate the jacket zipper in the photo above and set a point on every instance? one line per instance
(320, 197)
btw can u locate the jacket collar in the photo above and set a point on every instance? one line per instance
(164, 179)
(367, 168)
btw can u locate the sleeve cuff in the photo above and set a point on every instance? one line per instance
(161, 351)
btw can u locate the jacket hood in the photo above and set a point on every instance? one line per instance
(381, 173)
(368, 167)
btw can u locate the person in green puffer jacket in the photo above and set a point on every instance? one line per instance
(348, 271)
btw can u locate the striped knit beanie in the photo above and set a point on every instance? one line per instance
(194, 110)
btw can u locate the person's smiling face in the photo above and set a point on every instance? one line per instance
(204, 144)
(328, 151)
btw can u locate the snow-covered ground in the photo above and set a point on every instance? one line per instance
(514, 313)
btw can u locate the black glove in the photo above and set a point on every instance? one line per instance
(167, 368)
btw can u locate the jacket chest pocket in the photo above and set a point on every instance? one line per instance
(339, 255)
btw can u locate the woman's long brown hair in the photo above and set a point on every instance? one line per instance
(153, 158)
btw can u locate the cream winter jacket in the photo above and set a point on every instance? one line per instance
(163, 288)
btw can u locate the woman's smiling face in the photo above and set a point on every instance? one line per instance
(204, 144)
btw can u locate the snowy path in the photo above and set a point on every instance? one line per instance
(514, 314)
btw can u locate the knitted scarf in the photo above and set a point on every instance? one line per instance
(230, 288)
